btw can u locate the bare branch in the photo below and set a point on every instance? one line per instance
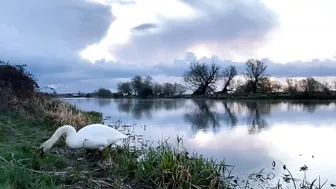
(202, 77)
(254, 71)
(228, 74)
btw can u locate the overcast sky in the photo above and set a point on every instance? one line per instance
(81, 45)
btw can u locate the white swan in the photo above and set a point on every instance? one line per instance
(92, 137)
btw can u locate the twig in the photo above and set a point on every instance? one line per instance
(99, 182)
(32, 170)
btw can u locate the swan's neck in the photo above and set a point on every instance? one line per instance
(68, 130)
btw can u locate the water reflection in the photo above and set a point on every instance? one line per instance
(309, 106)
(201, 117)
(248, 134)
(204, 114)
(139, 108)
(210, 115)
(257, 111)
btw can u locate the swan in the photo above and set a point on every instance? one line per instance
(90, 137)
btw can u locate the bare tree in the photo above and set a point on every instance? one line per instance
(325, 86)
(292, 85)
(309, 85)
(228, 74)
(202, 78)
(179, 88)
(254, 71)
(237, 85)
(267, 85)
(148, 81)
(168, 89)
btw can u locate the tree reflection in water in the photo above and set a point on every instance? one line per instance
(103, 102)
(201, 117)
(256, 116)
(205, 115)
(141, 108)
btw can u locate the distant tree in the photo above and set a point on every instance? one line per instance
(104, 93)
(168, 89)
(237, 85)
(179, 89)
(309, 85)
(254, 70)
(125, 88)
(21, 83)
(228, 75)
(137, 84)
(267, 85)
(202, 78)
(277, 87)
(148, 81)
(334, 84)
(292, 85)
(245, 87)
(325, 86)
(88, 95)
(157, 89)
(145, 92)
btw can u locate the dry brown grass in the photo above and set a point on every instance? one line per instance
(65, 113)
(44, 107)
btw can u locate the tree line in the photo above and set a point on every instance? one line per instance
(146, 86)
(200, 78)
(203, 79)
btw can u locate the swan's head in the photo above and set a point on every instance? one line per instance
(65, 129)
(45, 147)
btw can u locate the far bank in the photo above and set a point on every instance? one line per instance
(233, 96)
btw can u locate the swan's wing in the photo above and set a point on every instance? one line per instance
(99, 130)
(95, 143)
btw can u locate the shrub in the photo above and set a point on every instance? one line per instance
(21, 83)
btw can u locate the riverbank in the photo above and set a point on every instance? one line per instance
(160, 167)
(237, 96)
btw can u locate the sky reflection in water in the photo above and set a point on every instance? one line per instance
(248, 134)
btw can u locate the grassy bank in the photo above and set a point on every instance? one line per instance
(25, 125)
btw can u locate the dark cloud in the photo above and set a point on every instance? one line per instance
(225, 24)
(143, 27)
(126, 2)
(51, 28)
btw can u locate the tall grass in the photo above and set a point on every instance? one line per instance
(52, 111)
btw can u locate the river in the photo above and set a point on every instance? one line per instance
(249, 134)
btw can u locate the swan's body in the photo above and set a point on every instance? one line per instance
(92, 137)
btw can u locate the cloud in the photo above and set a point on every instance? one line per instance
(224, 25)
(47, 36)
(59, 28)
(144, 27)
(125, 2)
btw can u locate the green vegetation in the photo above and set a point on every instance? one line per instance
(28, 120)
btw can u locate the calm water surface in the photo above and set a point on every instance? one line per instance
(248, 134)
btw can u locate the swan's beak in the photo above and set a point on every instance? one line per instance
(41, 152)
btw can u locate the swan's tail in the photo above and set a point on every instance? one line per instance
(121, 137)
